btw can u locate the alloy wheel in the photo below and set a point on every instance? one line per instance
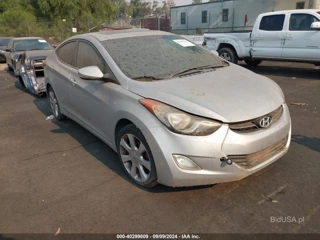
(135, 158)
(226, 56)
(54, 104)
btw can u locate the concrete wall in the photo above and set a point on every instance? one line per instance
(238, 9)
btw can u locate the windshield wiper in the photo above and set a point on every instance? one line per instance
(147, 78)
(194, 70)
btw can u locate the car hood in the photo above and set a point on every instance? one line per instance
(33, 54)
(229, 94)
(38, 53)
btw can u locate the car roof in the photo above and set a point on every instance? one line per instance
(116, 34)
(294, 11)
(26, 38)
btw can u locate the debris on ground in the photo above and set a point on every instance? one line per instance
(300, 104)
(50, 117)
(57, 232)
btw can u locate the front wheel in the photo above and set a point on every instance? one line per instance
(229, 54)
(136, 157)
(252, 63)
(54, 105)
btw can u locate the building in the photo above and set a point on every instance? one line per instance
(228, 15)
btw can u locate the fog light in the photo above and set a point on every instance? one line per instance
(185, 163)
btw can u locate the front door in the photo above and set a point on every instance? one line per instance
(302, 42)
(90, 98)
(267, 38)
(60, 74)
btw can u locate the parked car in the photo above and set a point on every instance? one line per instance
(176, 113)
(3, 45)
(291, 35)
(26, 57)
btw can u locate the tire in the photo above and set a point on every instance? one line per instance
(55, 106)
(252, 63)
(21, 82)
(136, 161)
(228, 54)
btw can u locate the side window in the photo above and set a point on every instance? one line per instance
(88, 56)
(65, 52)
(301, 22)
(300, 5)
(272, 23)
(183, 18)
(225, 15)
(204, 16)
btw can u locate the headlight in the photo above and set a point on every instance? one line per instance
(179, 121)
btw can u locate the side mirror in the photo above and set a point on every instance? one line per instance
(315, 25)
(8, 49)
(90, 73)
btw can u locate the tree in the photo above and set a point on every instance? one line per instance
(140, 8)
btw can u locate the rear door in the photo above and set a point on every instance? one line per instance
(267, 37)
(60, 72)
(302, 42)
(91, 98)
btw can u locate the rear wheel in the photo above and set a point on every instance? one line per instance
(229, 54)
(252, 63)
(54, 105)
(136, 157)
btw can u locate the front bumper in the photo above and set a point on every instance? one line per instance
(33, 84)
(207, 151)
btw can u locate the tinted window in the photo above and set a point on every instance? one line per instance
(272, 23)
(4, 41)
(88, 56)
(183, 18)
(31, 44)
(301, 22)
(204, 16)
(65, 52)
(158, 56)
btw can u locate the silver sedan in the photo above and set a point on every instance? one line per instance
(176, 113)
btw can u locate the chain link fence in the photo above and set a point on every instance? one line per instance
(57, 31)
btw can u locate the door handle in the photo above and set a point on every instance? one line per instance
(258, 36)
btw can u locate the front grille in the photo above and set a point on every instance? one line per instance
(38, 68)
(251, 125)
(248, 161)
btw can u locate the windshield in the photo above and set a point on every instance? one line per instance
(31, 44)
(4, 41)
(158, 57)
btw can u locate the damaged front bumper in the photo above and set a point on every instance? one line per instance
(32, 75)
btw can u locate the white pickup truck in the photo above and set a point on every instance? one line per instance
(292, 35)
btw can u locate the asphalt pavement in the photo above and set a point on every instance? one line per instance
(58, 175)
